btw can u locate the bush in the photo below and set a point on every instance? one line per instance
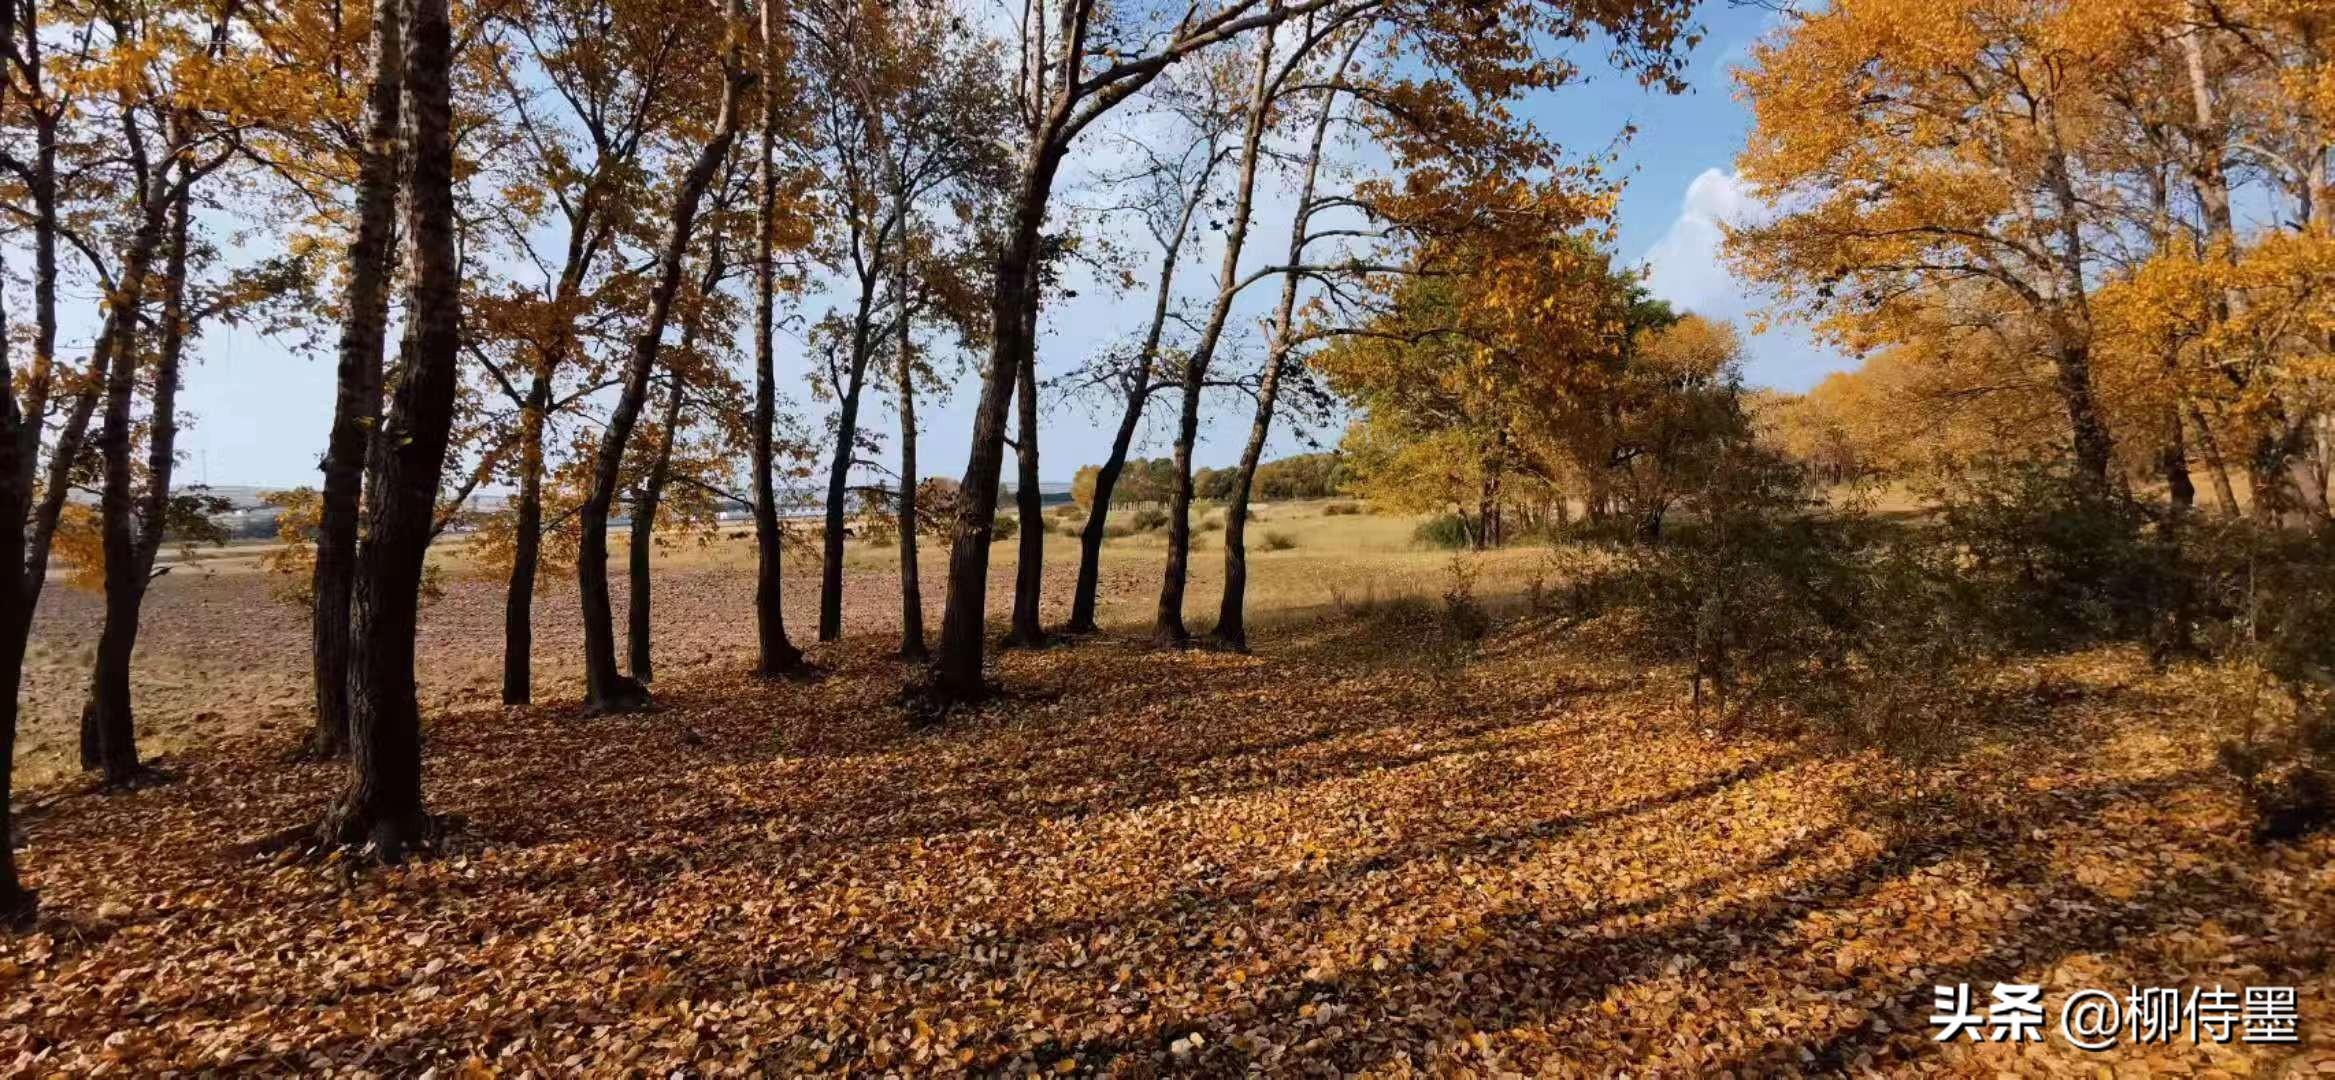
(1447, 531)
(1464, 619)
(2052, 560)
(1118, 530)
(1340, 510)
(1004, 528)
(2271, 597)
(1147, 519)
(1209, 524)
(1276, 540)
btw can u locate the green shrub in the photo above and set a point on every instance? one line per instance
(1275, 540)
(1004, 528)
(1147, 519)
(2052, 560)
(1447, 531)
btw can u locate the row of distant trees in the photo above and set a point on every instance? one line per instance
(1152, 481)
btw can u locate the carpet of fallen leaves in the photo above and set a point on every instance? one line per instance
(1325, 858)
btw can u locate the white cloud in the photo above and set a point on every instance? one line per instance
(1684, 268)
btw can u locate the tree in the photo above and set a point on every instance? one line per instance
(1231, 629)
(774, 654)
(908, 114)
(382, 807)
(1915, 153)
(691, 379)
(1170, 196)
(356, 408)
(593, 86)
(605, 688)
(166, 101)
(1059, 97)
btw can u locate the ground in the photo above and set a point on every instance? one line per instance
(1355, 851)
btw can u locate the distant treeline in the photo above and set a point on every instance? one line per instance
(1152, 480)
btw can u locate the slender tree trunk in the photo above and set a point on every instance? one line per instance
(839, 476)
(651, 495)
(1029, 570)
(1090, 538)
(382, 807)
(1098, 513)
(2174, 461)
(526, 551)
(774, 654)
(17, 903)
(605, 688)
(644, 533)
(2224, 494)
(108, 722)
(356, 410)
(1231, 613)
(105, 712)
(912, 647)
(1168, 625)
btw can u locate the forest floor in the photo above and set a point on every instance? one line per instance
(1357, 850)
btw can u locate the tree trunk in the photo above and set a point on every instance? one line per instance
(109, 729)
(605, 688)
(383, 804)
(1231, 613)
(644, 531)
(1098, 513)
(20, 439)
(911, 593)
(956, 667)
(839, 474)
(2224, 494)
(1168, 625)
(17, 903)
(1090, 539)
(356, 410)
(526, 550)
(774, 654)
(2174, 461)
(1029, 569)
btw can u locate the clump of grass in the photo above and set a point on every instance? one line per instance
(1006, 528)
(1147, 519)
(1209, 524)
(1340, 510)
(1118, 530)
(1276, 540)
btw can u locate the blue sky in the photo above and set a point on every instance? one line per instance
(259, 410)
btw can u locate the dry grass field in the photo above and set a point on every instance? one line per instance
(218, 655)
(1345, 854)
